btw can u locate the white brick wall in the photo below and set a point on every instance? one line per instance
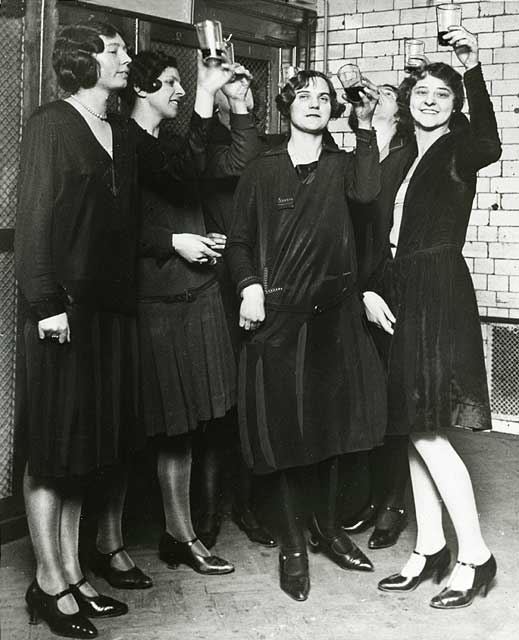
(371, 33)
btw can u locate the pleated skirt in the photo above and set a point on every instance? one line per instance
(310, 387)
(80, 400)
(436, 367)
(187, 363)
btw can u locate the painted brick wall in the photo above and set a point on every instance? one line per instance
(372, 33)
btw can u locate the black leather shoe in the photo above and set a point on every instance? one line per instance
(382, 538)
(97, 606)
(453, 599)
(173, 552)
(363, 522)
(132, 578)
(44, 606)
(436, 565)
(207, 529)
(254, 531)
(339, 548)
(294, 579)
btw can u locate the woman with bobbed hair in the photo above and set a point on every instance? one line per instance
(426, 301)
(311, 386)
(75, 252)
(187, 362)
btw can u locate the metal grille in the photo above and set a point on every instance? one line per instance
(11, 83)
(7, 355)
(503, 370)
(260, 69)
(11, 57)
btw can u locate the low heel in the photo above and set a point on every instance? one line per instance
(314, 545)
(33, 616)
(441, 572)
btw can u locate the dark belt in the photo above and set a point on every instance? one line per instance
(314, 309)
(188, 295)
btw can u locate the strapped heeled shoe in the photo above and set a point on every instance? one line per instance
(343, 551)
(45, 606)
(364, 521)
(132, 578)
(382, 538)
(484, 574)
(436, 565)
(254, 531)
(294, 578)
(173, 552)
(99, 606)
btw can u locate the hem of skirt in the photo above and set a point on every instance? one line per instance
(264, 469)
(39, 472)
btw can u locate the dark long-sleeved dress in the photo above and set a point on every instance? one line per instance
(187, 357)
(76, 252)
(311, 385)
(436, 371)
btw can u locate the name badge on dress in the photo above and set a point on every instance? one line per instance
(285, 203)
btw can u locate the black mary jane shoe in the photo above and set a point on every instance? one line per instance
(363, 522)
(436, 566)
(99, 606)
(339, 548)
(456, 599)
(134, 578)
(173, 552)
(294, 578)
(254, 531)
(44, 606)
(207, 529)
(383, 538)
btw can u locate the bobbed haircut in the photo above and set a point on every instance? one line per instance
(145, 70)
(73, 56)
(438, 70)
(301, 80)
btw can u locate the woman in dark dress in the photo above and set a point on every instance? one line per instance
(378, 479)
(311, 384)
(188, 370)
(75, 253)
(436, 366)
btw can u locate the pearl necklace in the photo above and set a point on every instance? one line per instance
(91, 111)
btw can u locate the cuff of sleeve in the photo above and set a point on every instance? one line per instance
(47, 308)
(203, 123)
(246, 282)
(368, 137)
(242, 121)
(473, 77)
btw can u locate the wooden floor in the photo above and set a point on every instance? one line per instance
(248, 605)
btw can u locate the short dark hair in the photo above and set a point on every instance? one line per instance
(145, 69)
(299, 81)
(439, 70)
(73, 57)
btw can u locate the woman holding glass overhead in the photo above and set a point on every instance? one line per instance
(436, 367)
(311, 385)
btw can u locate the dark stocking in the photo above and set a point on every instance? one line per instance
(389, 468)
(290, 513)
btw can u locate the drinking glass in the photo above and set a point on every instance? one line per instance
(447, 15)
(210, 40)
(414, 55)
(351, 79)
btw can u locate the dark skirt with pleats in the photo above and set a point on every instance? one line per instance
(311, 387)
(436, 367)
(188, 367)
(80, 400)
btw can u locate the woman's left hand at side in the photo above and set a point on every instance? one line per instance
(465, 46)
(369, 97)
